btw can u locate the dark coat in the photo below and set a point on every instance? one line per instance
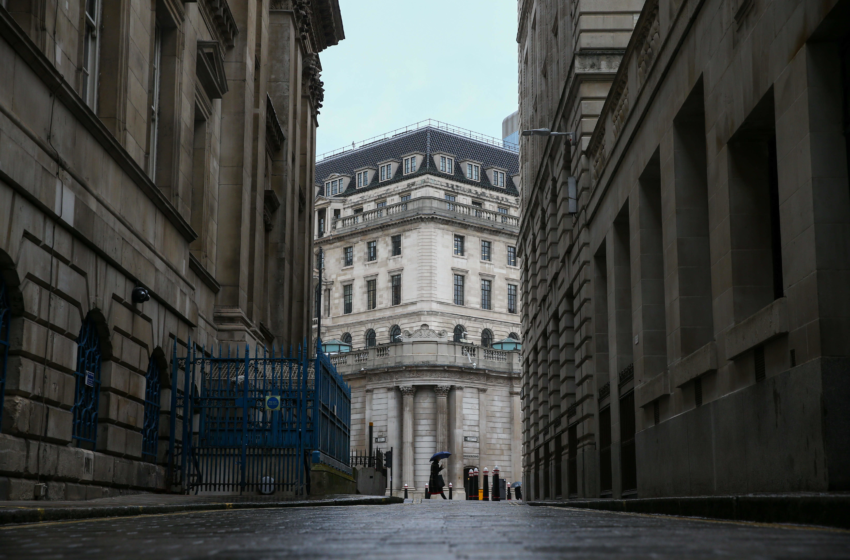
(434, 482)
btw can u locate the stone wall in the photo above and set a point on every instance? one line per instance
(87, 216)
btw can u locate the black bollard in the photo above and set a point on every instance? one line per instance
(405, 491)
(497, 491)
(427, 494)
(508, 489)
(486, 485)
(450, 490)
(476, 490)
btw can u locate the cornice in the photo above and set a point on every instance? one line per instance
(330, 238)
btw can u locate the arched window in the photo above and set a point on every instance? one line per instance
(486, 338)
(150, 430)
(5, 326)
(346, 338)
(87, 391)
(395, 334)
(514, 336)
(370, 338)
(459, 332)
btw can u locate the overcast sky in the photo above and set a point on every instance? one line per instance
(403, 61)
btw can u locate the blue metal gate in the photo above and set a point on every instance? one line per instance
(255, 423)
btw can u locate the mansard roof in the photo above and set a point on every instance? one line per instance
(428, 140)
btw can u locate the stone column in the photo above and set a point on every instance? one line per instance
(394, 437)
(516, 437)
(482, 435)
(442, 392)
(456, 463)
(367, 418)
(407, 392)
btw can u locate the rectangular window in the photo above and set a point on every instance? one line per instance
(346, 299)
(362, 179)
(327, 303)
(450, 198)
(446, 165)
(405, 197)
(504, 212)
(358, 210)
(511, 298)
(396, 245)
(459, 279)
(91, 53)
(396, 284)
(478, 213)
(348, 258)
(156, 79)
(386, 172)
(486, 288)
(485, 250)
(409, 165)
(459, 245)
(381, 204)
(372, 251)
(498, 179)
(473, 171)
(371, 294)
(511, 256)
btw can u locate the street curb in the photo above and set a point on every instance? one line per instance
(828, 511)
(37, 515)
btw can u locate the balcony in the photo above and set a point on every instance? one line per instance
(427, 205)
(427, 352)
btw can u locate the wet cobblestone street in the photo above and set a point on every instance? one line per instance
(439, 529)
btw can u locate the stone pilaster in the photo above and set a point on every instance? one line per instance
(442, 392)
(407, 392)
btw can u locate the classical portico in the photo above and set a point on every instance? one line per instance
(428, 394)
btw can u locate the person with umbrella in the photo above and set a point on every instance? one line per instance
(436, 483)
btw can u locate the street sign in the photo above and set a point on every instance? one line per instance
(272, 403)
(89, 378)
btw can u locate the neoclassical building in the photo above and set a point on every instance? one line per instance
(686, 313)
(156, 171)
(421, 278)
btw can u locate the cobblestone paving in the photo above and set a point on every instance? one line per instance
(439, 529)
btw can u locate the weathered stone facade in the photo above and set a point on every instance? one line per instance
(153, 144)
(701, 287)
(413, 216)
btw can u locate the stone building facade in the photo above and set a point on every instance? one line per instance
(696, 320)
(421, 277)
(164, 147)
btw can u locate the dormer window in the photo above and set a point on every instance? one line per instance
(333, 188)
(473, 171)
(409, 165)
(498, 179)
(446, 165)
(362, 179)
(386, 172)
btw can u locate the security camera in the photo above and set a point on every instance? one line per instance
(140, 295)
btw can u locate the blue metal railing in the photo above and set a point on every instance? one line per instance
(87, 388)
(150, 429)
(251, 422)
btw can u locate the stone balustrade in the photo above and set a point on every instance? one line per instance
(427, 352)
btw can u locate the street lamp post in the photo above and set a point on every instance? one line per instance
(572, 190)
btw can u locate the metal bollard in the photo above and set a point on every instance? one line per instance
(508, 490)
(450, 490)
(477, 486)
(468, 488)
(427, 494)
(497, 490)
(486, 492)
(405, 491)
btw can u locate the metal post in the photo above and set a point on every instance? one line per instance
(486, 491)
(371, 439)
(319, 310)
(508, 490)
(497, 490)
(477, 495)
(405, 491)
(450, 490)
(427, 493)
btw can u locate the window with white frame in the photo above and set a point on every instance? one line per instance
(91, 53)
(498, 179)
(386, 172)
(409, 164)
(446, 165)
(362, 179)
(473, 171)
(333, 188)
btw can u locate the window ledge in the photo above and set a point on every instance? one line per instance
(652, 390)
(695, 365)
(769, 322)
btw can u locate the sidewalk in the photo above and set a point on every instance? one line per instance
(152, 504)
(806, 508)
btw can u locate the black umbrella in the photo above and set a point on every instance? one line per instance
(440, 455)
